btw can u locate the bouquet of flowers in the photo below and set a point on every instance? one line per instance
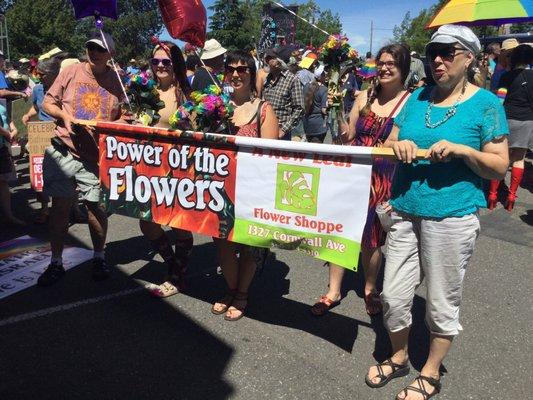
(206, 111)
(144, 98)
(333, 53)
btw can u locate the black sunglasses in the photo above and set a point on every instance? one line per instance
(167, 62)
(241, 69)
(447, 53)
(94, 47)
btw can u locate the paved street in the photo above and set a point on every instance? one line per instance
(110, 340)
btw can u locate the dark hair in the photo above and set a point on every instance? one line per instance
(368, 54)
(401, 56)
(178, 66)
(521, 55)
(235, 57)
(192, 62)
(492, 47)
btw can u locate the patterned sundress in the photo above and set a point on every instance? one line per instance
(382, 172)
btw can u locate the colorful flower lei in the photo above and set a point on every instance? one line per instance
(205, 111)
(143, 97)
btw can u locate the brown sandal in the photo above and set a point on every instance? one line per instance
(240, 301)
(225, 301)
(373, 304)
(323, 305)
(422, 387)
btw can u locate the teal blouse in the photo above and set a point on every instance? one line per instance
(448, 189)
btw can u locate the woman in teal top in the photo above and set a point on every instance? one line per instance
(435, 200)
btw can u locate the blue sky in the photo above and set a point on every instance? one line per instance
(356, 16)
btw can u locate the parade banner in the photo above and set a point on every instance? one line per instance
(23, 260)
(264, 193)
(39, 135)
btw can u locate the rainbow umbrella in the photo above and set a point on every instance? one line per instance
(483, 12)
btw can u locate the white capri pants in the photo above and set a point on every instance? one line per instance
(437, 249)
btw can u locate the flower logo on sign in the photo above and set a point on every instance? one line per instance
(297, 189)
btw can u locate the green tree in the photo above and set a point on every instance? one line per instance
(227, 22)
(324, 19)
(521, 28)
(36, 26)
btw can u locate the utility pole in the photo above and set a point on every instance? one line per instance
(371, 33)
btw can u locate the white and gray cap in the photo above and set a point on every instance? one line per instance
(97, 39)
(449, 34)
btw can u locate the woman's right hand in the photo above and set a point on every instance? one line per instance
(405, 150)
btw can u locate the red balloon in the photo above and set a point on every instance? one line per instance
(185, 20)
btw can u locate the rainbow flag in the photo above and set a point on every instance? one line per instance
(368, 70)
(502, 94)
(19, 245)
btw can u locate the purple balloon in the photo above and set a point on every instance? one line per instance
(88, 8)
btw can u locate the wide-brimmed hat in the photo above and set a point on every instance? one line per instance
(509, 44)
(212, 49)
(449, 34)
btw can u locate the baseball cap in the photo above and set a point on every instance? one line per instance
(97, 39)
(449, 34)
(509, 44)
(212, 49)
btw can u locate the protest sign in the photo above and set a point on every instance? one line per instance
(39, 135)
(23, 260)
(264, 193)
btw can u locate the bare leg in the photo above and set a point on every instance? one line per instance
(151, 230)
(247, 267)
(230, 269)
(336, 273)
(516, 157)
(438, 349)
(58, 223)
(371, 260)
(97, 219)
(399, 342)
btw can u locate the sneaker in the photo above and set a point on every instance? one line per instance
(100, 269)
(51, 275)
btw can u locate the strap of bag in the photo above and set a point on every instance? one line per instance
(384, 125)
(258, 116)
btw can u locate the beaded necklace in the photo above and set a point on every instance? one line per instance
(450, 112)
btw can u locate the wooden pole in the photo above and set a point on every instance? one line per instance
(381, 152)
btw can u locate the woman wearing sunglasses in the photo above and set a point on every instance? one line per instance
(435, 202)
(253, 118)
(370, 122)
(168, 68)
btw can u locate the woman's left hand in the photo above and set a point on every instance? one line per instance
(444, 151)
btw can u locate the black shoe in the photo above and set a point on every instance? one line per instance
(51, 275)
(100, 269)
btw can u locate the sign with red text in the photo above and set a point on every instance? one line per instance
(39, 135)
(259, 192)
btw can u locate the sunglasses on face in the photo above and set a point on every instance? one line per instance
(445, 53)
(95, 47)
(386, 64)
(167, 62)
(241, 69)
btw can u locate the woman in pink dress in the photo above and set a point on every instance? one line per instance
(253, 118)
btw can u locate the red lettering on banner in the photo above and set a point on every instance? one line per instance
(36, 172)
(338, 161)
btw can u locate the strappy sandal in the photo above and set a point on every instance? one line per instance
(373, 304)
(398, 370)
(226, 303)
(166, 289)
(422, 388)
(240, 301)
(323, 305)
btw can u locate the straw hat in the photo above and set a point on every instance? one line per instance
(212, 49)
